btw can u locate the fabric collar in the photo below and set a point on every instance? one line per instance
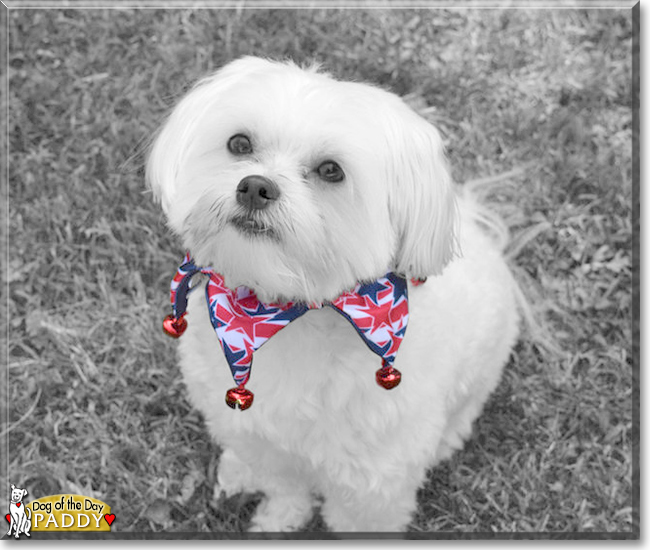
(377, 310)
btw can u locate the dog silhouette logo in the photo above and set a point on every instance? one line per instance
(19, 516)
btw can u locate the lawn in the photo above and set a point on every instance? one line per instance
(96, 402)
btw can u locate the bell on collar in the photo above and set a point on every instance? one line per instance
(388, 376)
(174, 327)
(239, 397)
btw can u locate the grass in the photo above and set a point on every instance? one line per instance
(97, 405)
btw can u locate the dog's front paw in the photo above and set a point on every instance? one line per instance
(282, 513)
(233, 476)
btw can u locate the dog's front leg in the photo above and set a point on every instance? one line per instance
(363, 506)
(13, 524)
(256, 465)
(24, 526)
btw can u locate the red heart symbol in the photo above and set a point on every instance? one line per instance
(388, 377)
(8, 516)
(174, 327)
(110, 518)
(239, 397)
(18, 504)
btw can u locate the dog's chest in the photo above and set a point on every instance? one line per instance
(319, 348)
(315, 388)
(310, 379)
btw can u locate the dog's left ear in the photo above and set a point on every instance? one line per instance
(422, 202)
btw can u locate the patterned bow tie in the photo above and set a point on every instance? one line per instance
(377, 310)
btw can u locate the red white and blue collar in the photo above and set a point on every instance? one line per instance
(377, 310)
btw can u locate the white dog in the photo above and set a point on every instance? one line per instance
(21, 518)
(299, 187)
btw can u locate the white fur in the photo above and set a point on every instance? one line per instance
(320, 425)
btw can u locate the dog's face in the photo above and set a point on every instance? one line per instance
(298, 186)
(17, 494)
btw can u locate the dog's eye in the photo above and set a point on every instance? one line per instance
(330, 171)
(240, 145)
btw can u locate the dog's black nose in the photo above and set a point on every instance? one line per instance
(257, 192)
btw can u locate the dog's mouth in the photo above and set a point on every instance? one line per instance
(254, 227)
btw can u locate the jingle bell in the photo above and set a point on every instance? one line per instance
(174, 327)
(239, 397)
(388, 377)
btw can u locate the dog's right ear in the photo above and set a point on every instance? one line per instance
(172, 144)
(13, 486)
(169, 149)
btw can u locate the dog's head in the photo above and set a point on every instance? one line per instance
(298, 186)
(17, 494)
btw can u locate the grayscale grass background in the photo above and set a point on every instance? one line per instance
(96, 404)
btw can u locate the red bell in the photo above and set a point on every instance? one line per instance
(174, 327)
(239, 397)
(388, 377)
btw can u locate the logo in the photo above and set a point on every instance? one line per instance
(19, 517)
(65, 512)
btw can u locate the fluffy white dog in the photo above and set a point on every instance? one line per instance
(298, 186)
